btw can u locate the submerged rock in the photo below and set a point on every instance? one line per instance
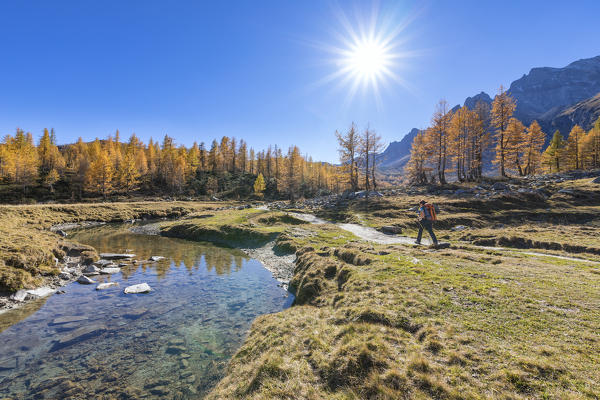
(41, 292)
(68, 319)
(156, 258)
(10, 363)
(134, 314)
(107, 285)
(91, 270)
(103, 263)
(139, 288)
(108, 271)
(77, 335)
(85, 280)
(176, 349)
(116, 256)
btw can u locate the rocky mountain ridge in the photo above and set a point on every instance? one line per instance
(558, 98)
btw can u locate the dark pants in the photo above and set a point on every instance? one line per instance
(428, 225)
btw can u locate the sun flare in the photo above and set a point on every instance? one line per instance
(369, 54)
(368, 59)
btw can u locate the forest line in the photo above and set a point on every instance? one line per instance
(110, 167)
(457, 141)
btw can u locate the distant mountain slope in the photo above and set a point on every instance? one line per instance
(547, 91)
(584, 113)
(396, 155)
(558, 98)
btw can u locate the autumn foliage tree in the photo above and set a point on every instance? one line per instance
(532, 147)
(573, 151)
(348, 147)
(503, 108)
(416, 168)
(591, 147)
(111, 166)
(552, 156)
(437, 139)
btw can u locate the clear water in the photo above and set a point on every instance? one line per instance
(172, 343)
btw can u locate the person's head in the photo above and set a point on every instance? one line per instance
(422, 202)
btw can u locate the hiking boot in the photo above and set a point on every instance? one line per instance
(417, 242)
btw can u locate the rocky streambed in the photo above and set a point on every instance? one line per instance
(171, 341)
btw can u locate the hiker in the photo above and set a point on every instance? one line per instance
(426, 218)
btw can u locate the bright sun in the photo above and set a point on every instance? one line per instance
(369, 53)
(367, 59)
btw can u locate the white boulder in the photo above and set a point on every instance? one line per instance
(139, 288)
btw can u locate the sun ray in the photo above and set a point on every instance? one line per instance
(368, 54)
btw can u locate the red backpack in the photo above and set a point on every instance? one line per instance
(431, 210)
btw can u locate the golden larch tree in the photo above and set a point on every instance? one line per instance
(417, 165)
(573, 150)
(534, 141)
(503, 108)
(348, 148)
(437, 139)
(514, 148)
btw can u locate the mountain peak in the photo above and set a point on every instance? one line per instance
(471, 102)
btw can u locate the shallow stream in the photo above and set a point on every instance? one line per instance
(173, 342)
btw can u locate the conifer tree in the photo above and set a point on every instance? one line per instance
(370, 145)
(416, 167)
(21, 159)
(234, 155)
(534, 140)
(573, 149)
(503, 108)
(552, 156)
(514, 147)
(436, 138)
(481, 138)
(78, 166)
(591, 147)
(128, 173)
(203, 158)
(50, 157)
(100, 174)
(51, 178)
(459, 135)
(224, 154)
(252, 161)
(213, 157)
(259, 185)
(290, 181)
(348, 146)
(243, 156)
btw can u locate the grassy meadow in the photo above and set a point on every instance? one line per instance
(486, 318)
(395, 321)
(28, 247)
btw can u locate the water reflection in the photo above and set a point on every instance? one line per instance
(119, 239)
(171, 343)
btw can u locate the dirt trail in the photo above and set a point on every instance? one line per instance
(363, 232)
(372, 235)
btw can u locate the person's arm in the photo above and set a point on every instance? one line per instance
(421, 214)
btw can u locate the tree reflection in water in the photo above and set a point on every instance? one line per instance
(119, 239)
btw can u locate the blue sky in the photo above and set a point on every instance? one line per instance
(255, 69)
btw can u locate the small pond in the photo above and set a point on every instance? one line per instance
(173, 342)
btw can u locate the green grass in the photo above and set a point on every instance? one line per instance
(28, 247)
(393, 322)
